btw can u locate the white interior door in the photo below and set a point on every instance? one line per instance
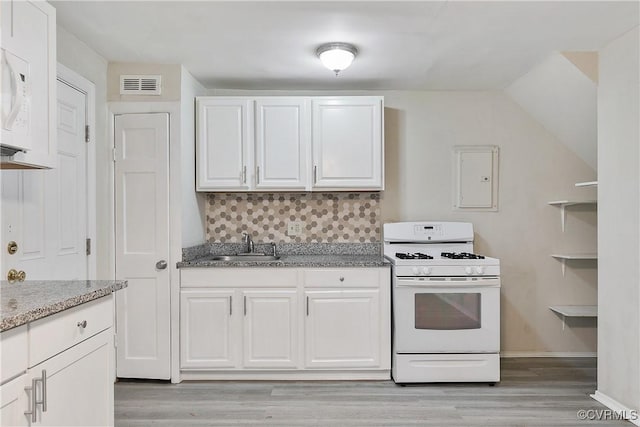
(45, 211)
(142, 245)
(69, 182)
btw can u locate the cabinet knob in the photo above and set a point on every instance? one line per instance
(82, 324)
(342, 279)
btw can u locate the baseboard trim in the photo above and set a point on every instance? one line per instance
(293, 375)
(629, 414)
(515, 354)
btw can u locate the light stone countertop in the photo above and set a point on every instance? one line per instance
(312, 260)
(291, 255)
(24, 302)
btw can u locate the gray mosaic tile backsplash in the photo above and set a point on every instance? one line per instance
(325, 217)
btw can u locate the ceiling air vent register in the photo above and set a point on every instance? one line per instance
(140, 85)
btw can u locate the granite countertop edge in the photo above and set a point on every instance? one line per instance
(294, 261)
(10, 321)
(291, 255)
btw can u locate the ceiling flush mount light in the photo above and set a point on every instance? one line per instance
(336, 56)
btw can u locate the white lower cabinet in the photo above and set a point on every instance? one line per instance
(236, 328)
(270, 328)
(69, 379)
(342, 328)
(79, 385)
(247, 323)
(209, 329)
(14, 401)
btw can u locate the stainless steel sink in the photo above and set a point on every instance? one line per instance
(244, 257)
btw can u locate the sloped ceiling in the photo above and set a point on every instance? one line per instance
(562, 98)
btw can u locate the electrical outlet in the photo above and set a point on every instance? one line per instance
(294, 228)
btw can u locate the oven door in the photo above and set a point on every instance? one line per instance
(446, 315)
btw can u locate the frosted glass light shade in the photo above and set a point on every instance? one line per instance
(336, 56)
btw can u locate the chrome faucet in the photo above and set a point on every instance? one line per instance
(248, 242)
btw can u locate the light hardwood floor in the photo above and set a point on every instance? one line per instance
(533, 392)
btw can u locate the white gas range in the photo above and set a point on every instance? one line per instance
(446, 304)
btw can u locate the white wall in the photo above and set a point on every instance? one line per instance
(619, 216)
(79, 57)
(193, 216)
(420, 130)
(169, 74)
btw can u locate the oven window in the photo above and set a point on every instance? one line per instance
(448, 311)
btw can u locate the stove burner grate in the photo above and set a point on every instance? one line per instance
(461, 255)
(416, 255)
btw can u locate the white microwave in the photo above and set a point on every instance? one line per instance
(16, 104)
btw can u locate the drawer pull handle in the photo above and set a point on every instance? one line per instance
(44, 390)
(82, 324)
(34, 404)
(342, 279)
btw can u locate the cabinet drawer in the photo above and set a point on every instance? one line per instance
(238, 277)
(13, 352)
(339, 278)
(53, 334)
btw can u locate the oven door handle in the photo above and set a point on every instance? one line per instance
(449, 284)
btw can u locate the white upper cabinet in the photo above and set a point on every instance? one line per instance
(224, 141)
(347, 143)
(290, 143)
(282, 141)
(28, 61)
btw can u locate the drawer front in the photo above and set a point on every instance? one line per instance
(342, 278)
(53, 334)
(13, 353)
(235, 277)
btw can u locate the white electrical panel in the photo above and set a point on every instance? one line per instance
(475, 170)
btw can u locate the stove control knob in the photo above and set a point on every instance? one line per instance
(479, 270)
(415, 271)
(426, 270)
(468, 270)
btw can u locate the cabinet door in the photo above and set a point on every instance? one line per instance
(209, 329)
(282, 139)
(270, 329)
(342, 328)
(223, 142)
(14, 401)
(347, 143)
(79, 384)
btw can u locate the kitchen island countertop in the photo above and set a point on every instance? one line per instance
(24, 302)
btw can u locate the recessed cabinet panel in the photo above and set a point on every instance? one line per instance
(79, 385)
(347, 143)
(209, 336)
(270, 329)
(224, 137)
(282, 139)
(14, 402)
(342, 329)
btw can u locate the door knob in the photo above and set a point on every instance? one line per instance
(14, 275)
(161, 265)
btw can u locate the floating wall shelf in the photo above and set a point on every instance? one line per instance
(564, 203)
(574, 257)
(585, 311)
